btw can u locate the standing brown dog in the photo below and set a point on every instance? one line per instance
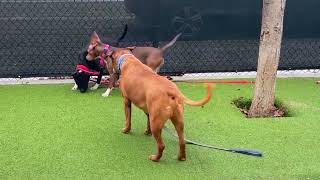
(150, 56)
(158, 97)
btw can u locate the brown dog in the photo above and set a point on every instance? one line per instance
(150, 56)
(158, 97)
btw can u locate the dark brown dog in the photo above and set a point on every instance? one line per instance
(150, 56)
(158, 97)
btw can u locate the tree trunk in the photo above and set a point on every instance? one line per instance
(268, 61)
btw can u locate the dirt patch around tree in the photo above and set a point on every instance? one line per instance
(280, 110)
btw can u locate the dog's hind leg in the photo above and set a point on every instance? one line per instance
(177, 121)
(127, 109)
(148, 130)
(156, 126)
(157, 70)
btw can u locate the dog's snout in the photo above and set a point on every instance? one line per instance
(89, 57)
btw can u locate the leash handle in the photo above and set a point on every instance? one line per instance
(247, 152)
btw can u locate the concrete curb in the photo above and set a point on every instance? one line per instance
(187, 77)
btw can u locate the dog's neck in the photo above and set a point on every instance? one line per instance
(106, 49)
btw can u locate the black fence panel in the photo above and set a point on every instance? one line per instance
(44, 37)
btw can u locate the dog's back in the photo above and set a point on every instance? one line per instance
(139, 81)
(150, 56)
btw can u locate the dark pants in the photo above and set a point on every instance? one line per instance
(82, 80)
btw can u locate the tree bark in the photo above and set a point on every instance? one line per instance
(268, 61)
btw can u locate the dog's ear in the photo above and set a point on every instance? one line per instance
(95, 38)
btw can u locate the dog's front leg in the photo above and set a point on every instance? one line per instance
(113, 79)
(107, 93)
(127, 109)
(95, 87)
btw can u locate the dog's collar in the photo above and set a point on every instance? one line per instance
(106, 48)
(121, 60)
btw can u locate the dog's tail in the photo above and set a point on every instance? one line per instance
(163, 48)
(201, 102)
(124, 33)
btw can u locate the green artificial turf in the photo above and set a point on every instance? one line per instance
(51, 132)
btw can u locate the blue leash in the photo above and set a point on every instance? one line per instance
(249, 152)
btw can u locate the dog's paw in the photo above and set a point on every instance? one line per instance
(75, 87)
(182, 158)
(126, 130)
(154, 158)
(95, 87)
(107, 93)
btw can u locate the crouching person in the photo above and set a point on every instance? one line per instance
(85, 69)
